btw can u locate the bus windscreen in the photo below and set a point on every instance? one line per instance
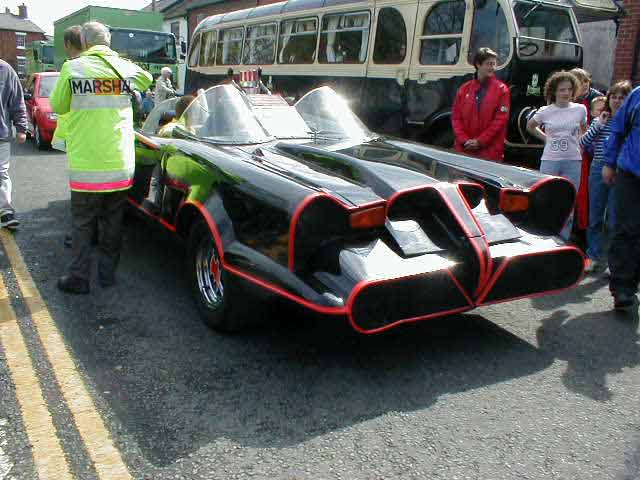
(147, 47)
(545, 32)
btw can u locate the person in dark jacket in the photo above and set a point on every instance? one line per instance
(13, 113)
(481, 110)
(622, 165)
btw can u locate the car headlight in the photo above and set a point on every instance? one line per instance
(52, 116)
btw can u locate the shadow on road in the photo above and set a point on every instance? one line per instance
(593, 345)
(580, 294)
(176, 386)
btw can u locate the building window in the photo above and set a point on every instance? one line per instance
(175, 29)
(21, 64)
(21, 39)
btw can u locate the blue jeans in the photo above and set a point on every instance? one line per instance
(569, 169)
(600, 201)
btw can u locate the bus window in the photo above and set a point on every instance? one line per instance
(490, 30)
(195, 51)
(445, 20)
(260, 44)
(391, 37)
(229, 46)
(345, 37)
(206, 48)
(545, 32)
(298, 40)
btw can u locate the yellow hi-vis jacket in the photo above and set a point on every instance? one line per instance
(98, 119)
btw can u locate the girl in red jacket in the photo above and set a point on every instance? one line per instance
(481, 110)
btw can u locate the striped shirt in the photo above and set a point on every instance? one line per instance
(597, 136)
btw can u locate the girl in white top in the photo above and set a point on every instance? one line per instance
(564, 122)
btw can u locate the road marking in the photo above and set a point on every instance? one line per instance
(48, 456)
(97, 440)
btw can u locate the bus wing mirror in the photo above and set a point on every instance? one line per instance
(183, 48)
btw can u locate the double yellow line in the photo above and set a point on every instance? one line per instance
(48, 455)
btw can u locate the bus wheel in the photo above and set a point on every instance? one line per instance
(443, 139)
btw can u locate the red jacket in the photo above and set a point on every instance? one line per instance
(489, 125)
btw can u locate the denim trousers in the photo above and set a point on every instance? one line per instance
(5, 181)
(601, 203)
(569, 169)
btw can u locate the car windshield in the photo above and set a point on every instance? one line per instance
(47, 83)
(545, 31)
(327, 114)
(222, 115)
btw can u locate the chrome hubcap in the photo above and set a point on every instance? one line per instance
(209, 275)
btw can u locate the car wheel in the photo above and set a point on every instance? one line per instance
(217, 293)
(38, 139)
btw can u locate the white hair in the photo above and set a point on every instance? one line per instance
(95, 33)
(166, 70)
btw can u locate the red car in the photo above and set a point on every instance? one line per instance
(42, 120)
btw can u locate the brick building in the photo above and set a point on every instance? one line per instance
(627, 60)
(16, 34)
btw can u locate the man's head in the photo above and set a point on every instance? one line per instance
(72, 41)
(165, 72)
(95, 33)
(485, 60)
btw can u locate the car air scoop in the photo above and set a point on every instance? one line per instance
(411, 238)
(497, 228)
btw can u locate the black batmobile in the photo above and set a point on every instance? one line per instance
(305, 203)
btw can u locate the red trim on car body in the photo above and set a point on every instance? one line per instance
(508, 260)
(293, 224)
(160, 220)
(367, 283)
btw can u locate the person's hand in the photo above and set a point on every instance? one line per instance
(21, 137)
(608, 175)
(604, 117)
(472, 144)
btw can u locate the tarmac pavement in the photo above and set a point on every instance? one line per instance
(542, 388)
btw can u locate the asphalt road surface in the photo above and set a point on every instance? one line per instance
(534, 389)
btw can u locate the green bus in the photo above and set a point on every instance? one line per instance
(40, 57)
(136, 35)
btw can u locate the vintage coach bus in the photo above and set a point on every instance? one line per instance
(398, 62)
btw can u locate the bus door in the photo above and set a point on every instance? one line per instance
(384, 95)
(439, 65)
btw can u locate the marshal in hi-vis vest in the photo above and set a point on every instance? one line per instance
(98, 119)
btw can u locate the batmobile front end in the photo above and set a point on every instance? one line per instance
(311, 206)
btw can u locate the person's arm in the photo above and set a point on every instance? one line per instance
(17, 108)
(60, 98)
(590, 136)
(456, 120)
(500, 119)
(533, 127)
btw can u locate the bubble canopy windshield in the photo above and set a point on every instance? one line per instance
(224, 115)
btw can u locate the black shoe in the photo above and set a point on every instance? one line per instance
(106, 281)
(75, 285)
(623, 301)
(67, 240)
(8, 220)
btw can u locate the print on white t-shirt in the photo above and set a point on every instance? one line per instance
(562, 128)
